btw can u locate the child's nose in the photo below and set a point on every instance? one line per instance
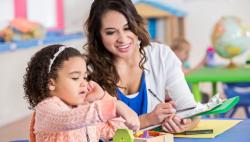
(83, 83)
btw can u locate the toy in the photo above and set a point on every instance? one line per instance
(125, 135)
(21, 29)
(210, 57)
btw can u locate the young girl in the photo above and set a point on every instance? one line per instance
(181, 48)
(67, 106)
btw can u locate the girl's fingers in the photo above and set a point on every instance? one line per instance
(88, 88)
(91, 84)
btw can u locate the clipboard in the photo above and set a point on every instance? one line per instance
(224, 107)
(221, 107)
(216, 105)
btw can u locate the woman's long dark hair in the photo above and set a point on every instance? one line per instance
(99, 59)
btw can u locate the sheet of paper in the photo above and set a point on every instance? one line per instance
(215, 101)
(218, 126)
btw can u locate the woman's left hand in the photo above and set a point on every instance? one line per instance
(174, 124)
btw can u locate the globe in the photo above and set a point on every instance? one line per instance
(230, 37)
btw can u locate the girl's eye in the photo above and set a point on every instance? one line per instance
(75, 78)
(85, 78)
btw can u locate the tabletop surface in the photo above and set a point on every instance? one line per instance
(239, 133)
(222, 74)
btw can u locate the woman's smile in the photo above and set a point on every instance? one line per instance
(123, 47)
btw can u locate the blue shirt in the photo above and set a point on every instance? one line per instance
(140, 102)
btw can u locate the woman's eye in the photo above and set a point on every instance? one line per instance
(110, 32)
(126, 28)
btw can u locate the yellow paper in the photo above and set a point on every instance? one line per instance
(218, 126)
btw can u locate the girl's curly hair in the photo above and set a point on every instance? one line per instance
(37, 76)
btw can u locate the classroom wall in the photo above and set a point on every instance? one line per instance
(42, 12)
(202, 14)
(6, 7)
(75, 14)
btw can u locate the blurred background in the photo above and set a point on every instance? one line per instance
(27, 25)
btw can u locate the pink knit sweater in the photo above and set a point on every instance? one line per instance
(57, 122)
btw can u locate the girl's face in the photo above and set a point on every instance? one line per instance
(116, 35)
(183, 52)
(71, 82)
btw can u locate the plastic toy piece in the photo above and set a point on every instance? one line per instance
(138, 133)
(145, 134)
(123, 135)
(154, 133)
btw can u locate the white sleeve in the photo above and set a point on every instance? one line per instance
(176, 85)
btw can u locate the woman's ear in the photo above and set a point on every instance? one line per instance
(51, 85)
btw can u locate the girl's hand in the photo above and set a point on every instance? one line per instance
(131, 118)
(174, 124)
(94, 92)
(161, 112)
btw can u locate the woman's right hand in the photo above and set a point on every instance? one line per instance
(161, 111)
(131, 118)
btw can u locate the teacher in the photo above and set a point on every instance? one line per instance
(147, 76)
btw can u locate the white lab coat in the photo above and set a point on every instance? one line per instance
(163, 75)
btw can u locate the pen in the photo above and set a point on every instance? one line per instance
(152, 93)
(155, 95)
(185, 109)
(195, 132)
